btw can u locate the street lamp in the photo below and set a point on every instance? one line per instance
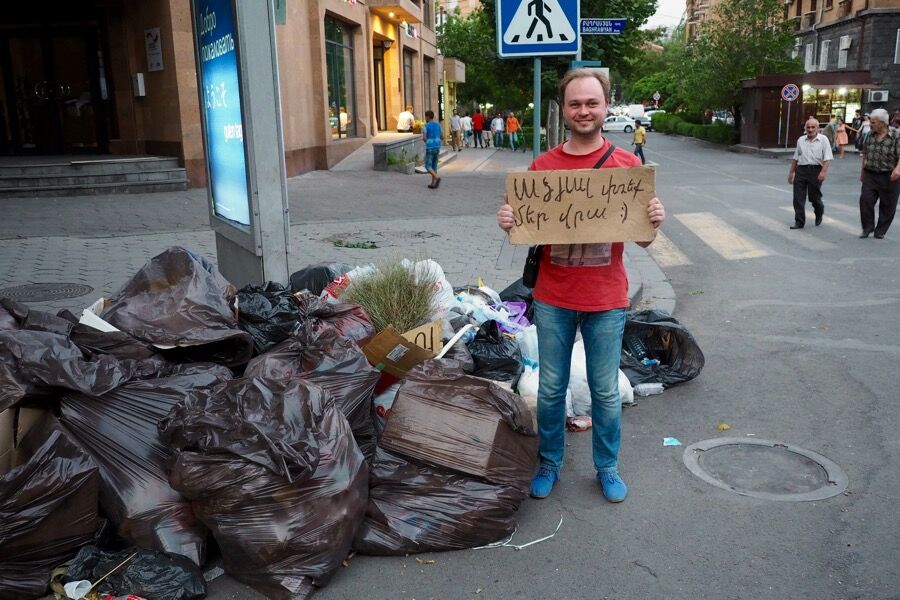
(531, 105)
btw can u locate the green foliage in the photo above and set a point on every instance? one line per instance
(394, 295)
(718, 133)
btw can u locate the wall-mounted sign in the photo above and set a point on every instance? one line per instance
(220, 101)
(153, 45)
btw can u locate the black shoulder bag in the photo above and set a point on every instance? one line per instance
(533, 261)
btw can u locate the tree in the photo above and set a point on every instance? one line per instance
(745, 39)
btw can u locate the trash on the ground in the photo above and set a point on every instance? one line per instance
(455, 436)
(350, 319)
(394, 294)
(656, 335)
(723, 426)
(578, 398)
(271, 467)
(119, 430)
(321, 355)
(578, 424)
(496, 355)
(423, 561)
(138, 571)
(670, 441)
(268, 312)
(214, 573)
(507, 543)
(48, 500)
(648, 389)
(180, 302)
(391, 352)
(314, 278)
(76, 590)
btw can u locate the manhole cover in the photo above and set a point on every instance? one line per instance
(765, 469)
(45, 292)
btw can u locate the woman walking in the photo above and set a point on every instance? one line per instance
(841, 138)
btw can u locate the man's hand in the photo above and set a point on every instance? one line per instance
(505, 218)
(657, 212)
(821, 176)
(895, 174)
(790, 178)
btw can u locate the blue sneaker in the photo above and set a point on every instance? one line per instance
(614, 489)
(543, 481)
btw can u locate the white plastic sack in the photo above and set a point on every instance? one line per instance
(528, 344)
(444, 299)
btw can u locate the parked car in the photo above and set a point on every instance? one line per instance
(723, 116)
(619, 123)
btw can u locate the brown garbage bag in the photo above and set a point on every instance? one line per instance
(445, 418)
(350, 319)
(180, 299)
(35, 362)
(318, 353)
(416, 508)
(271, 467)
(48, 507)
(119, 429)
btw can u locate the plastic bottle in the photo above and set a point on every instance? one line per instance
(648, 389)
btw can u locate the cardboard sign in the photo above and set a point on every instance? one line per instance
(427, 336)
(394, 354)
(583, 206)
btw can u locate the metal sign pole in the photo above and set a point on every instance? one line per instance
(780, 113)
(787, 127)
(536, 121)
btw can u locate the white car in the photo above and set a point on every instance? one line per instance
(619, 123)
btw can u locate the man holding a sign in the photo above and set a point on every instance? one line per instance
(583, 214)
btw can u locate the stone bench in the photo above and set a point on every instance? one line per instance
(404, 151)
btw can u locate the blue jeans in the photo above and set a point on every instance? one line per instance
(513, 140)
(602, 333)
(498, 139)
(639, 151)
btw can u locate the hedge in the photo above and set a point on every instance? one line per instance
(718, 133)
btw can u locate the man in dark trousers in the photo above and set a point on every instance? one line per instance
(478, 127)
(880, 176)
(808, 170)
(581, 286)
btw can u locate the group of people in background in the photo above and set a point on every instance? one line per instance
(481, 131)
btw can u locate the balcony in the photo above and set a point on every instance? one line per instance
(397, 10)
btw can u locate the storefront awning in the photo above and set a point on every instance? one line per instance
(819, 80)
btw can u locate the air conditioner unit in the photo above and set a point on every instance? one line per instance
(878, 95)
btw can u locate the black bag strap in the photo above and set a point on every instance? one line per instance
(605, 156)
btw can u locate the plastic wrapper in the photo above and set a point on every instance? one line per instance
(320, 355)
(443, 417)
(180, 300)
(314, 278)
(350, 319)
(414, 507)
(269, 313)
(271, 467)
(36, 362)
(668, 341)
(519, 292)
(497, 356)
(48, 508)
(149, 574)
(119, 429)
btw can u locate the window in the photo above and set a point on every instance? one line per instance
(795, 52)
(427, 81)
(897, 49)
(823, 55)
(409, 90)
(339, 67)
(829, 4)
(428, 14)
(843, 51)
(809, 58)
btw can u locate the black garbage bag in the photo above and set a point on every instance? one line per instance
(318, 353)
(151, 574)
(519, 292)
(314, 278)
(453, 465)
(180, 300)
(119, 429)
(48, 505)
(15, 315)
(350, 319)
(666, 340)
(496, 356)
(37, 362)
(271, 467)
(269, 313)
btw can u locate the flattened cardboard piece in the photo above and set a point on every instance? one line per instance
(392, 353)
(7, 434)
(427, 336)
(582, 206)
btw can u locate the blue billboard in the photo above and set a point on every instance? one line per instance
(220, 102)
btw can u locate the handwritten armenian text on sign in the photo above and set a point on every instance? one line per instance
(583, 206)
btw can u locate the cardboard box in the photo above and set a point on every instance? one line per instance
(396, 354)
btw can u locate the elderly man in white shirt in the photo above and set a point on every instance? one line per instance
(810, 165)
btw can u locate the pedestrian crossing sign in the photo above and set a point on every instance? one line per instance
(527, 28)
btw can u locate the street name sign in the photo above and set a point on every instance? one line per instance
(530, 28)
(602, 26)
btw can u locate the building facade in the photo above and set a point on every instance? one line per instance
(119, 77)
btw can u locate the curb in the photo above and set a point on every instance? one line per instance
(651, 288)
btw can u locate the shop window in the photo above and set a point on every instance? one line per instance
(823, 55)
(339, 65)
(409, 90)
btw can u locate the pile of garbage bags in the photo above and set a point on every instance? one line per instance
(181, 408)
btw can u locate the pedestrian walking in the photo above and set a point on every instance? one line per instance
(895, 120)
(598, 309)
(432, 136)
(855, 124)
(497, 126)
(512, 130)
(477, 128)
(455, 131)
(841, 138)
(466, 122)
(638, 141)
(880, 176)
(809, 166)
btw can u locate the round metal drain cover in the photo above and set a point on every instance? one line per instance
(765, 469)
(45, 292)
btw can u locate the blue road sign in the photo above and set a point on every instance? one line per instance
(528, 28)
(790, 92)
(602, 26)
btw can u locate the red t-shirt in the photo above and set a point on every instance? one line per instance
(478, 121)
(583, 277)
